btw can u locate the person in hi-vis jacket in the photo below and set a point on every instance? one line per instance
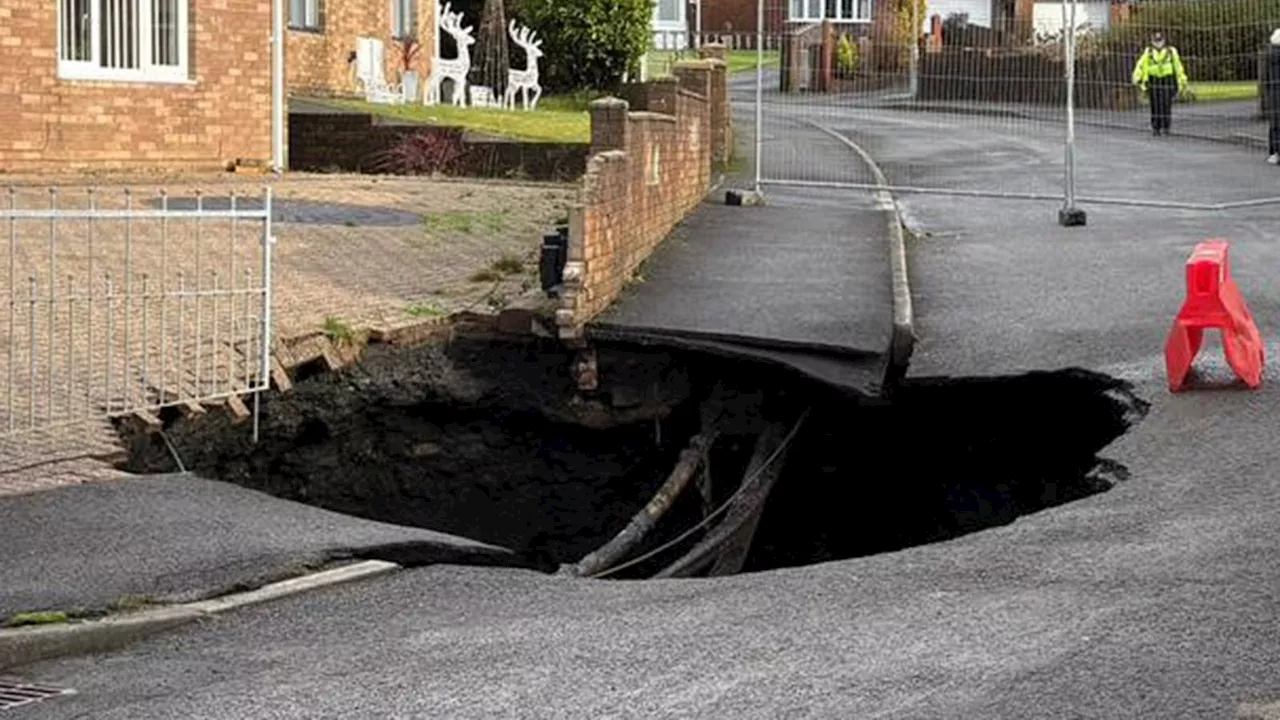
(1159, 73)
(1273, 100)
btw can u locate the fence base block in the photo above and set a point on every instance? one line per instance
(1072, 217)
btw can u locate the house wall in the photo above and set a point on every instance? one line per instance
(1048, 16)
(319, 64)
(739, 16)
(646, 172)
(53, 125)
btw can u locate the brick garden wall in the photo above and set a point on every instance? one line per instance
(316, 63)
(52, 125)
(647, 171)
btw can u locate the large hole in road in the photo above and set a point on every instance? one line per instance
(489, 440)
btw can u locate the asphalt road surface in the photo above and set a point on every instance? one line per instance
(1154, 600)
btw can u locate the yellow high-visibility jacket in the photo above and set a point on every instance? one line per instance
(1158, 64)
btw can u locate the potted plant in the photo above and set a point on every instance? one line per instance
(409, 49)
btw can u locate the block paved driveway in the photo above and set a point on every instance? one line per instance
(361, 250)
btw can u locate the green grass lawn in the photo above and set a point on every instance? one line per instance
(1224, 91)
(660, 61)
(557, 119)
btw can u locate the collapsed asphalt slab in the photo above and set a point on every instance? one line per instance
(803, 281)
(179, 538)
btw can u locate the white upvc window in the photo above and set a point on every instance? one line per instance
(846, 11)
(404, 19)
(306, 15)
(670, 11)
(123, 40)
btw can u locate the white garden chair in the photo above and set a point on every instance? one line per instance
(371, 73)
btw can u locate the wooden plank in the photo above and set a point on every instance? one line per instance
(280, 376)
(150, 423)
(239, 412)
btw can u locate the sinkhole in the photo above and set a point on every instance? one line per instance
(740, 466)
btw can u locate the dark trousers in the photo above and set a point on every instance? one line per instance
(1274, 136)
(1163, 91)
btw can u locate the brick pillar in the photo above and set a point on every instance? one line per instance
(694, 76)
(827, 77)
(610, 126)
(652, 96)
(710, 79)
(714, 51)
(662, 94)
(935, 34)
(1024, 20)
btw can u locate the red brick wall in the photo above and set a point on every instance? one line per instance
(739, 16)
(317, 62)
(647, 171)
(53, 125)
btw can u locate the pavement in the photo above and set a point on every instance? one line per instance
(180, 538)
(803, 280)
(1155, 599)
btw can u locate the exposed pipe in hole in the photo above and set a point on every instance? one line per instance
(725, 547)
(605, 557)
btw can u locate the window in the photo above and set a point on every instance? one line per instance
(669, 10)
(851, 11)
(404, 19)
(306, 15)
(127, 40)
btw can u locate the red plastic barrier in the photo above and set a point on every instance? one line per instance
(1213, 301)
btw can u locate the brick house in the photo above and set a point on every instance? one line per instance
(145, 85)
(134, 84)
(321, 43)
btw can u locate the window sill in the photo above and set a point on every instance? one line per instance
(837, 21)
(90, 75)
(306, 30)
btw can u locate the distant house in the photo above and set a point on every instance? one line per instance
(323, 35)
(1095, 16)
(671, 24)
(733, 17)
(134, 84)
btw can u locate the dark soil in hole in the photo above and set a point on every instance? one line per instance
(489, 440)
(949, 457)
(484, 440)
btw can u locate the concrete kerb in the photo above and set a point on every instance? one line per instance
(23, 646)
(904, 337)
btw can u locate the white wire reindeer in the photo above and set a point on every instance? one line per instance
(454, 69)
(527, 79)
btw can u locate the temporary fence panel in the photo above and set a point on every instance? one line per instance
(952, 107)
(121, 301)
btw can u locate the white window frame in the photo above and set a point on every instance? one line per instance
(312, 15)
(679, 12)
(96, 67)
(815, 11)
(404, 19)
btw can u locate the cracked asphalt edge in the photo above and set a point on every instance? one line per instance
(26, 645)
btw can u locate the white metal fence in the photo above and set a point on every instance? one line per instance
(120, 301)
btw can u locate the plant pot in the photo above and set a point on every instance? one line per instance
(410, 80)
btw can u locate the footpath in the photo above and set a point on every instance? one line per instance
(142, 548)
(804, 281)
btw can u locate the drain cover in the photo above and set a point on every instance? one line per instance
(13, 693)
